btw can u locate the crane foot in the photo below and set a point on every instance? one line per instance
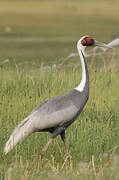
(69, 157)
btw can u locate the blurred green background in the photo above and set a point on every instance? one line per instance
(35, 31)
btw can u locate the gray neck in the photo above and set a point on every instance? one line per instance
(86, 87)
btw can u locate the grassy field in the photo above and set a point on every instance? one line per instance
(35, 35)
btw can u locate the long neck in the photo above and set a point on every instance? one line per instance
(85, 76)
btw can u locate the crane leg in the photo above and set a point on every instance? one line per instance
(45, 149)
(58, 131)
(66, 148)
(55, 134)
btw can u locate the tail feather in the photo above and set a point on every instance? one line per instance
(23, 130)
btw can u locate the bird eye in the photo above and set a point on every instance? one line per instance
(84, 42)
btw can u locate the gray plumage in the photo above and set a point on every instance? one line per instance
(52, 115)
(56, 114)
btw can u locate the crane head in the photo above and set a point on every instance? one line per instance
(87, 41)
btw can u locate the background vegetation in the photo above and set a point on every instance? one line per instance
(34, 38)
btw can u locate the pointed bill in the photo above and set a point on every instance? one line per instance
(99, 44)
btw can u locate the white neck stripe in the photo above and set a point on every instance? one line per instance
(81, 86)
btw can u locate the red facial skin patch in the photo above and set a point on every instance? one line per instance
(87, 41)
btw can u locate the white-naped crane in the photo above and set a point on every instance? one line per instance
(58, 113)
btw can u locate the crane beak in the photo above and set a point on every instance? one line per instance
(99, 44)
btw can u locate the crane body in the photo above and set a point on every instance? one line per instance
(58, 113)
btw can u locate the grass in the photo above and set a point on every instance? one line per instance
(95, 133)
(36, 34)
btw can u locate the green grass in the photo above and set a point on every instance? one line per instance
(95, 133)
(34, 34)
